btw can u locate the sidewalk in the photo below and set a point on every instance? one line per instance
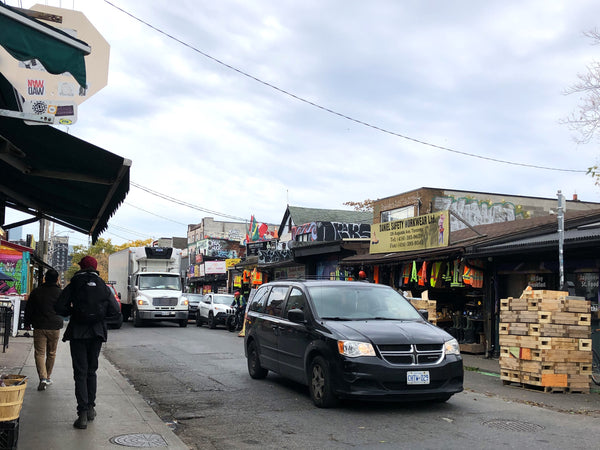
(47, 417)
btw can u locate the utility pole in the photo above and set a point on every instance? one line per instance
(561, 237)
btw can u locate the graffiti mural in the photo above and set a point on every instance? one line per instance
(274, 256)
(217, 248)
(332, 231)
(478, 212)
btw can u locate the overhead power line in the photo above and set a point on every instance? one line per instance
(183, 203)
(331, 111)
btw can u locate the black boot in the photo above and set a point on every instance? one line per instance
(91, 414)
(82, 420)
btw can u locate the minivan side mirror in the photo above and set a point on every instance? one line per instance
(424, 313)
(295, 315)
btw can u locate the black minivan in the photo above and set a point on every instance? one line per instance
(349, 339)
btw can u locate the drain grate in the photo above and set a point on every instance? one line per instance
(139, 440)
(513, 425)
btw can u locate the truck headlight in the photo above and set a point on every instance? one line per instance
(184, 301)
(452, 347)
(354, 349)
(142, 301)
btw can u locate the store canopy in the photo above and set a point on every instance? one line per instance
(26, 38)
(50, 174)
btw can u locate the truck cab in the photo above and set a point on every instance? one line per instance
(158, 296)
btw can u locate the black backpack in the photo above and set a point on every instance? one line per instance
(89, 294)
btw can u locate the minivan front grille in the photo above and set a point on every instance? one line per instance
(164, 301)
(412, 354)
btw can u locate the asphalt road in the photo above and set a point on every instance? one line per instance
(196, 379)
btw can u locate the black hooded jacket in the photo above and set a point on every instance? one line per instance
(78, 330)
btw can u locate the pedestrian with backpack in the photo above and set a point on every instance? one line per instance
(39, 313)
(88, 302)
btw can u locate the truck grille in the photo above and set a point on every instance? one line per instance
(412, 354)
(164, 301)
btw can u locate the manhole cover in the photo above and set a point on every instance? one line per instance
(513, 425)
(139, 440)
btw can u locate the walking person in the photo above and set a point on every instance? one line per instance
(88, 302)
(40, 314)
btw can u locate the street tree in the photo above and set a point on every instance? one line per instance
(585, 120)
(100, 250)
(365, 205)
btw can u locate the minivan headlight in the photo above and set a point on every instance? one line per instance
(452, 347)
(354, 349)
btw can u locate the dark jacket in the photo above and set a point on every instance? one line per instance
(39, 308)
(78, 330)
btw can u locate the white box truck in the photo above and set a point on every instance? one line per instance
(148, 279)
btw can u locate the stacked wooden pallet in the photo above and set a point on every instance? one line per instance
(429, 305)
(545, 341)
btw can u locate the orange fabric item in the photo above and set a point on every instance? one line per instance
(423, 274)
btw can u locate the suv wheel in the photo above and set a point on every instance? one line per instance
(212, 323)
(198, 320)
(255, 370)
(320, 386)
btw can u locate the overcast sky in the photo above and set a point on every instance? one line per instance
(479, 78)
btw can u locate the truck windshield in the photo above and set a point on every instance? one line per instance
(160, 281)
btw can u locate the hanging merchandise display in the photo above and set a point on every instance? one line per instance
(435, 279)
(413, 274)
(423, 274)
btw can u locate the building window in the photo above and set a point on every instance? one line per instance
(398, 214)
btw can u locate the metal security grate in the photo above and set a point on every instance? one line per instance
(139, 440)
(513, 425)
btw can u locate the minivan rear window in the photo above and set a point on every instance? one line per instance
(361, 301)
(275, 301)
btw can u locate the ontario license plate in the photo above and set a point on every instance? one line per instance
(417, 377)
(166, 313)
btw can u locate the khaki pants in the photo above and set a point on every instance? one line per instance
(44, 345)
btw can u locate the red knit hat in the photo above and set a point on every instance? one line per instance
(88, 262)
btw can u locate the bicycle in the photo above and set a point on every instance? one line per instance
(596, 367)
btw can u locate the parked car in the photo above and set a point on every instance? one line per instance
(115, 323)
(193, 302)
(349, 339)
(214, 309)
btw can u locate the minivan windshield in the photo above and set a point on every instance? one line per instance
(361, 301)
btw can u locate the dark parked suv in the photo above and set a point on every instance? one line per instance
(349, 339)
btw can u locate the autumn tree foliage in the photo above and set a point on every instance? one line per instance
(365, 205)
(100, 250)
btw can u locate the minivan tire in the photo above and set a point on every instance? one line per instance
(255, 370)
(319, 384)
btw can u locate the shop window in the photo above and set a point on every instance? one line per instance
(398, 214)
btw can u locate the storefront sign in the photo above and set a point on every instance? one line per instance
(414, 233)
(230, 263)
(213, 267)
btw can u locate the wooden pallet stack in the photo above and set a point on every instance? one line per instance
(429, 305)
(545, 341)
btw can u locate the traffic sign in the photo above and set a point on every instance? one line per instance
(51, 93)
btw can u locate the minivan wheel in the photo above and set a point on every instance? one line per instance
(255, 370)
(320, 386)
